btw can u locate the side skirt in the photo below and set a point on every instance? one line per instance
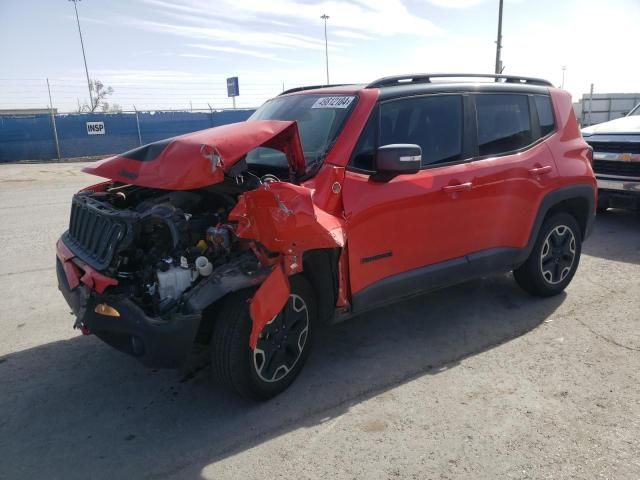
(433, 277)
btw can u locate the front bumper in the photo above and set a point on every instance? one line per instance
(618, 192)
(156, 342)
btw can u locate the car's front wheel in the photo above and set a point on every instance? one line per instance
(554, 258)
(280, 352)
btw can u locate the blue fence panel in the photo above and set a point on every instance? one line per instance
(23, 138)
(120, 134)
(156, 126)
(31, 138)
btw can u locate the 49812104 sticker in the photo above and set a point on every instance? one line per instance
(333, 102)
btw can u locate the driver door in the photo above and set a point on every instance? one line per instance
(397, 229)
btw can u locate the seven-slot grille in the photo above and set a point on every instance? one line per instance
(615, 147)
(616, 167)
(93, 233)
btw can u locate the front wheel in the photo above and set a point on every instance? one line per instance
(280, 352)
(554, 258)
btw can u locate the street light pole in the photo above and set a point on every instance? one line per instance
(564, 69)
(325, 17)
(84, 57)
(499, 42)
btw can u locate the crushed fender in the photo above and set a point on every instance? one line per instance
(268, 301)
(284, 219)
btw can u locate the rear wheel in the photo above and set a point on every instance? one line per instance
(281, 350)
(554, 258)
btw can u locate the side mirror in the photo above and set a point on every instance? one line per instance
(397, 159)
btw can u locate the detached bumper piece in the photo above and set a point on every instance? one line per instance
(156, 342)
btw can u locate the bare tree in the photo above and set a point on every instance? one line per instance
(100, 95)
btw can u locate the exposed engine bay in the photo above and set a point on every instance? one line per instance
(160, 245)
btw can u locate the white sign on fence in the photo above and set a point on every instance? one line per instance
(95, 128)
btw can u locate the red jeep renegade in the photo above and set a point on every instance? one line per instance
(327, 202)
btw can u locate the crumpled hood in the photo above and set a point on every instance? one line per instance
(619, 125)
(200, 159)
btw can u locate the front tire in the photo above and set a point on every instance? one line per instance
(282, 348)
(554, 259)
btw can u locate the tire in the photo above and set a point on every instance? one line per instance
(269, 370)
(554, 259)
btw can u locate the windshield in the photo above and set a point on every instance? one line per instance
(635, 111)
(320, 119)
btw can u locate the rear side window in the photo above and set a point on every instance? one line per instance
(434, 123)
(545, 114)
(504, 123)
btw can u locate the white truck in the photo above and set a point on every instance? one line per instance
(616, 160)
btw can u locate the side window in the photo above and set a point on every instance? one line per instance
(434, 123)
(545, 114)
(504, 123)
(365, 151)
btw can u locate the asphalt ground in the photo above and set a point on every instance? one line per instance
(475, 381)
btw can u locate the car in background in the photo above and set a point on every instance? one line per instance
(616, 160)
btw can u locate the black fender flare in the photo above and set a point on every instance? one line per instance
(583, 192)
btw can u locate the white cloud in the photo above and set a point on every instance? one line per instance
(239, 51)
(382, 17)
(350, 34)
(254, 39)
(197, 55)
(456, 3)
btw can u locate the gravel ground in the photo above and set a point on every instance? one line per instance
(476, 381)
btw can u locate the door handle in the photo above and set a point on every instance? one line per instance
(461, 187)
(540, 170)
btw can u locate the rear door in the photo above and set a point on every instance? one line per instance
(513, 169)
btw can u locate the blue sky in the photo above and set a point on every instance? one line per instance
(177, 53)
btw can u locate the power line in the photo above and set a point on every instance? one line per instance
(84, 57)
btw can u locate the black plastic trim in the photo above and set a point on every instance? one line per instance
(434, 277)
(156, 342)
(388, 93)
(584, 191)
(421, 78)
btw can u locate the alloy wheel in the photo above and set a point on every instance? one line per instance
(282, 341)
(558, 254)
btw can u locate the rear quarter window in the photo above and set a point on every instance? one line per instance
(545, 114)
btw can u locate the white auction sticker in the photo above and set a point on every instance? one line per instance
(333, 102)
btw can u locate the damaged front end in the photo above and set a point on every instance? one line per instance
(139, 266)
(178, 226)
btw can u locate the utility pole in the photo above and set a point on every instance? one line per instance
(325, 17)
(84, 57)
(564, 69)
(499, 42)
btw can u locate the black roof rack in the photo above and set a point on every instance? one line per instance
(312, 87)
(426, 78)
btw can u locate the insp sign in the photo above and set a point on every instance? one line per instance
(95, 128)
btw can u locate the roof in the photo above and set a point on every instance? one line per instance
(413, 84)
